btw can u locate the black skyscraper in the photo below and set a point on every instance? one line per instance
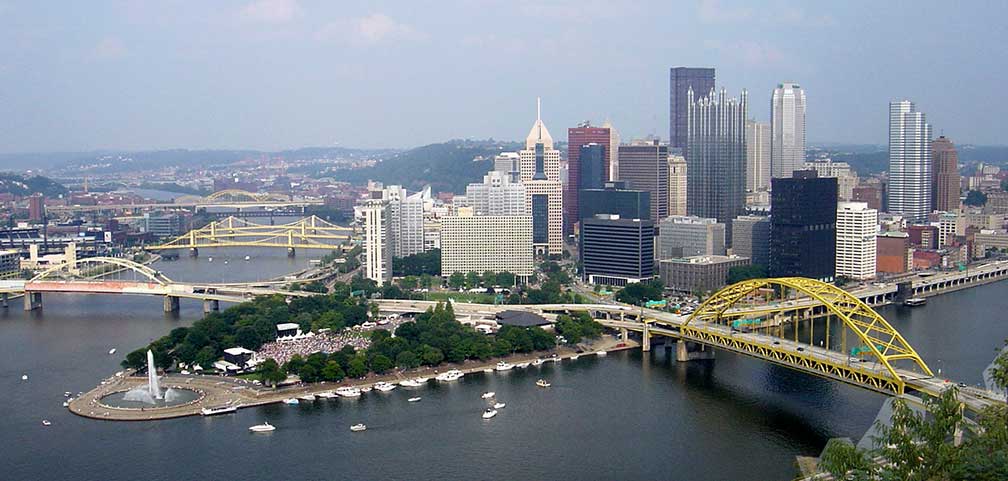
(680, 81)
(593, 165)
(803, 226)
(615, 198)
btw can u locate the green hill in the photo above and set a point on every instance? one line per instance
(20, 186)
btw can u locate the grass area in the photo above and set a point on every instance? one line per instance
(481, 298)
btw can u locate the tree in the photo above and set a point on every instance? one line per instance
(999, 371)
(640, 292)
(308, 373)
(975, 198)
(408, 282)
(380, 363)
(472, 280)
(456, 280)
(426, 281)
(357, 367)
(135, 359)
(333, 371)
(407, 360)
(742, 273)
(504, 279)
(269, 372)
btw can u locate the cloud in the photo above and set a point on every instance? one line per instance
(108, 48)
(368, 30)
(271, 11)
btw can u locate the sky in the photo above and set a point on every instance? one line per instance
(275, 74)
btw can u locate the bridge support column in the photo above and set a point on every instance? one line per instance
(624, 334)
(290, 252)
(32, 300)
(193, 252)
(171, 304)
(646, 338)
(684, 354)
(210, 305)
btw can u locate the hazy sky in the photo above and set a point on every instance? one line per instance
(272, 74)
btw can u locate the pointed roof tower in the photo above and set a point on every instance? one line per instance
(539, 134)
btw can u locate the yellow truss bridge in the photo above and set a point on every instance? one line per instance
(308, 233)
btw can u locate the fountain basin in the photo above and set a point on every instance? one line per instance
(140, 398)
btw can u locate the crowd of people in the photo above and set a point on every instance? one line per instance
(328, 342)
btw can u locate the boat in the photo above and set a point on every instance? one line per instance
(24, 377)
(601, 353)
(365, 389)
(384, 386)
(915, 301)
(348, 391)
(326, 395)
(111, 351)
(452, 375)
(307, 397)
(213, 411)
(414, 399)
(522, 365)
(487, 395)
(415, 382)
(66, 404)
(488, 370)
(358, 427)
(489, 413)
(209, 259)
(67, 393)
(504, 366)
(499, 405)
(248, 258)
(574, 357)
(291, 400)
(542, 383)
(537, 362)
(45, 422)
(262, 428)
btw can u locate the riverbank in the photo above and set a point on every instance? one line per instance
(219, 391)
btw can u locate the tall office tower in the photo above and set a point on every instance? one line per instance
(787, 130)
(677, 185)
(716, 157)
(687, 236)
(377, 252)
(757, 156)
(847, 178)
(614, 198)
(856, 240)
(681, 81)
(614, 142)
(540, 172)
(945, 180)
(644, 166)
(405, 220)
(486, 243)
(36, 207)
(803, 213)
(909, 191)
(508, 163)
(580, 175)
(751, 237)
(616, 251)
(497, 195)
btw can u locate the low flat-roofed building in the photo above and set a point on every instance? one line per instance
(698, 274)
(288, 330)
(520, 319)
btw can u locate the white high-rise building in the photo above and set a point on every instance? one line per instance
(406, 220)
(757, 156)
(787, 130)
(508, 163)
(486, 243)
(497, 195)
(846, 177)
(909, 162)
(540, 172)
(377, 252)
(856, 240)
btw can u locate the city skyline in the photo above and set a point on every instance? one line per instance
(248, 74)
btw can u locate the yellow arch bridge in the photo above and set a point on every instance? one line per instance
(307, 233)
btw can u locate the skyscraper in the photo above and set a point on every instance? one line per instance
(909, 162)
(579, 175)
(508, 162)
(681, 80)
(945, 180)
(757, 156)
(803, 212)
(856, 240)
(497, 195)
(594, 171)
(377, 251)
(716, 157)
(405, 220)
(616, 251)
(787, 130)
(677, 185)
(644, 166)
(751, 238)
(615, 198)
(540, 172)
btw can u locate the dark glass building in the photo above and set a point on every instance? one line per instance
(803, 226)
(593, 167)
(615, 198)
(644, 166)
(617, 251)
(582, 176)
(681, 79)
(540, 219)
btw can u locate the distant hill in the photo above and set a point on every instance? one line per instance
(20, 186)
(867, 160)
(447, 167)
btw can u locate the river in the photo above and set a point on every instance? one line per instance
(624, 416)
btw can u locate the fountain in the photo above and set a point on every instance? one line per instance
(152, 381)
(150, 395)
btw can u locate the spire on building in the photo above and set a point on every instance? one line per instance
(539, 134)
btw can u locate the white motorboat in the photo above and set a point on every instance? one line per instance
(213, 411)
(487, 395)
(307, 397)
(504, 366)
(499, 405)
(537, 362)
(574, 357)
(365, 389)
(358, 427)
(326, 395)
(601, 353)
(262, 428)
(45, 422)
(384, 386)
(414, 399)
(489, 413)
(209, 259)
(24, 377)
(66, 404)
(291, 400)
(542, 383)
(348, 391)
(67, 393)
(452, 375)
(248, 258)
(415, 382)
(522, 365)
(111, 351)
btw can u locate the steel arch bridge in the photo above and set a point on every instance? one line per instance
(238, 195)
(95, 267)
(308, 233)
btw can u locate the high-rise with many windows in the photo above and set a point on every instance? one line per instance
(681, 80)
(540, 173)
(856, 240)
(803, 212)
(644, 166)
(757, 156)
(716, 156)
(589, 155)
(377, 251)
(677, 185)
(497, 195)
(787, 130)
(909, 162)
(945, 180)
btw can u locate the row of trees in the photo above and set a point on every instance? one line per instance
(418, 264)
(640, 292)
(472, 280)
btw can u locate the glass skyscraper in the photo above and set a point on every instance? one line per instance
(909, 162)
(681, 80)
(787, 130)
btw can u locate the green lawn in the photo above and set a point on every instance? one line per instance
(481, 298)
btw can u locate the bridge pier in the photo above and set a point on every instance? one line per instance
(193, 252)
(683, 353)
(624, 334)
(32, 300)
(646, 338)
(210, 305)
(171, 303)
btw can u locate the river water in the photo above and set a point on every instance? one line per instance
(624, 416)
